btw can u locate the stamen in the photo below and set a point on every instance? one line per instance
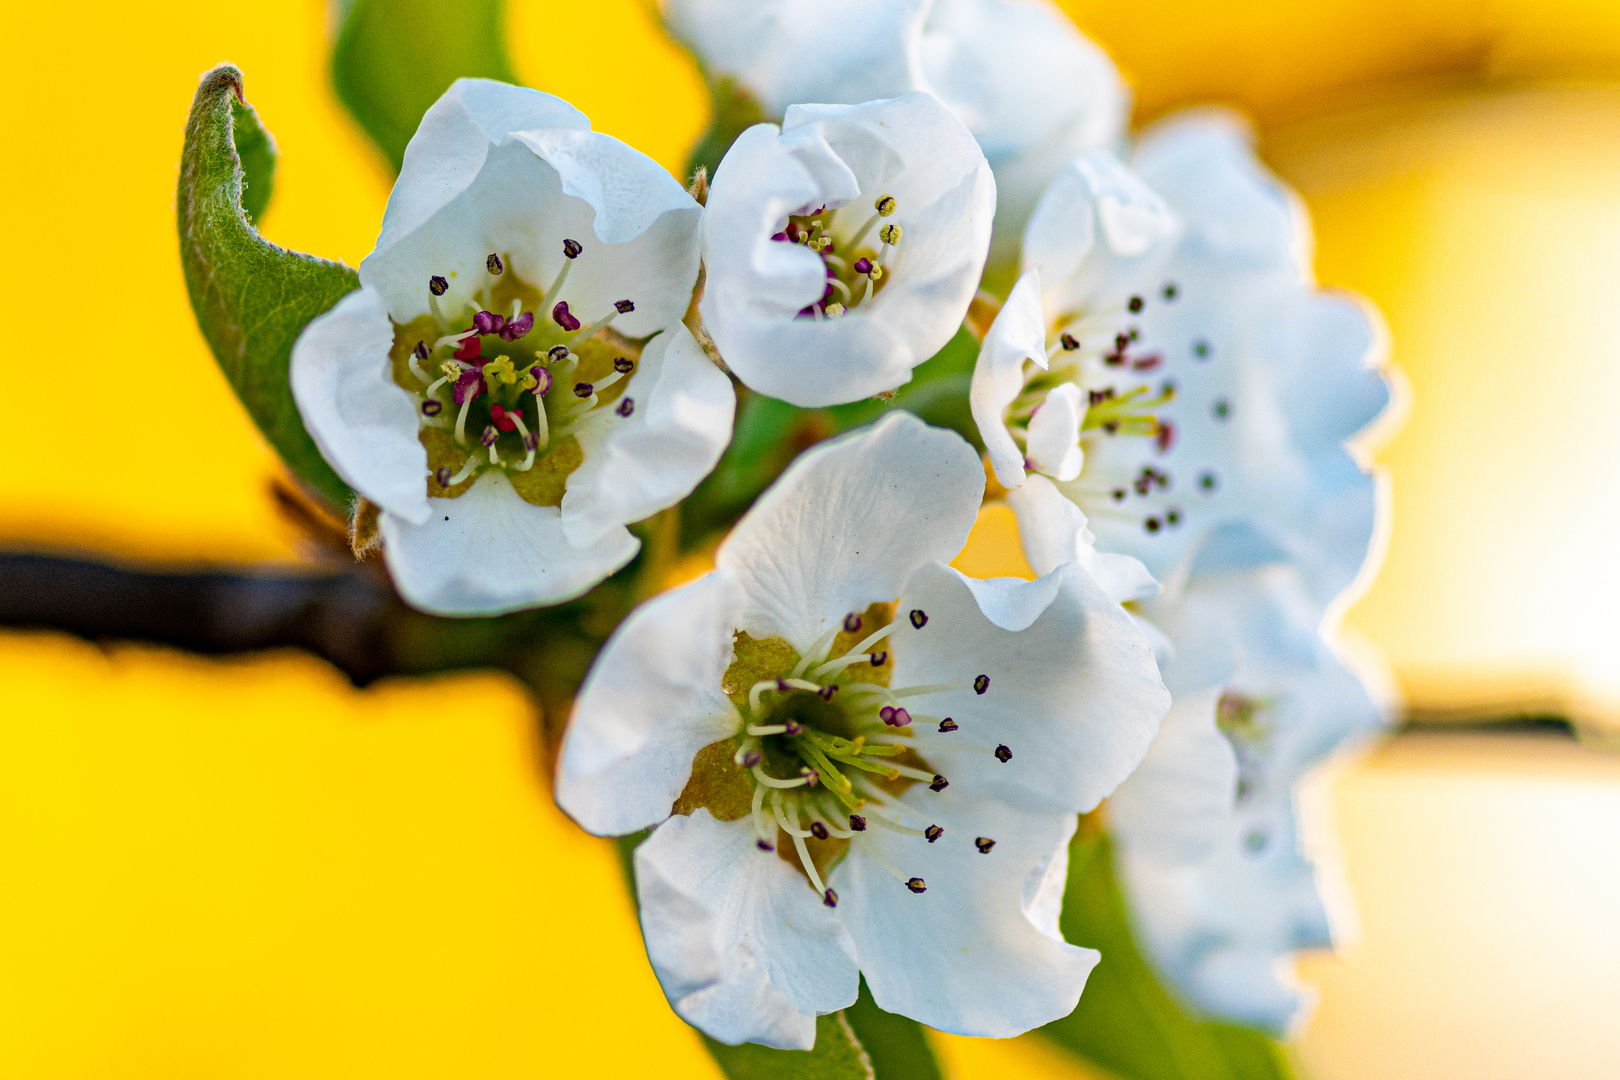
(947, 724)
(890, 235)
(461, 419)
(832, 667)
(627, 405)
(918, 618)
(933, 832)
(771, 781)
(857, 823)
(437, 285)
(829, 898)
(1003, 754)
(984, 844)
(917, 885)
(623, 307)
(530, 443)
(432, 407)
(818, 648)
(493, 264)
(518, 326)
(563, 317)
(939, 783)
(542, 429)
(571, 248)
(442, 475)
(981, 684)
(466, 470)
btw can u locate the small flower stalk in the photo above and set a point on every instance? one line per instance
(842, 249)
(512, 384)
(859, 761)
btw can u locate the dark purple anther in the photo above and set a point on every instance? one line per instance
(826, 692)
(857, 823)
(782, 686)
(563, 318)
(933, 832)
(1070, 342)
(939, 783)
(469, 384)
(542, 380)
(557, 353)
(572, 249)
(793, 727)
(487, 322)
(818, 830)
(627, 405)
(518, 327)
(421, 350)
(880, 658)
(751, 758)
(829, 898)
(917, 885)
(437, 285)
(623, 307)
(901, 718)
(489, 436)
(812, 776)
(530, 442)
(1003, 754)
(863, 265)
(764, 845)
(947, 724)
(442, 475)
(623, 365)
(583, 389)
(981, 684)
(432, 408)
(494, 265)
(886, 714)
(984, 844)
(852, 623)
(918, 619)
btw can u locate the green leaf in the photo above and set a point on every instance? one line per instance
(251, 298)
(257, 151)
(838, 1056)
(897, 1046)
(1127, 1021)
(393, 58)
(732, 111)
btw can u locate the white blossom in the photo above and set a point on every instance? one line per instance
(843, 250)
(1029, 86)
(861, 784)
(1219, 385)
(490, 386)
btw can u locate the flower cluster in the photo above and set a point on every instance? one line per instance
(854, 760)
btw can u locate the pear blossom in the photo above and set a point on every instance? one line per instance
(1030, 87)
(857, 760)
(491, 385)
(843, 249)
(1220, 891)
(1167, 361)
(1221, 913)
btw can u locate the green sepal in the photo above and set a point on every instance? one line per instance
(732, 111)
(252, 299)
(1128, 1022)
(394, 58)
(838, 1056)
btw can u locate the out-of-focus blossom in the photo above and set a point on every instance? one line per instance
(490, 386)
(843, 250)
(844, 785)
(1167, 328)
(1223, 899)
(1028, 85)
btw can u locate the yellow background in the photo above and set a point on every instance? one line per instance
(249, 869)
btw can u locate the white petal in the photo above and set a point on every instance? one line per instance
(1017, 335)
(849, 521)
(791, 51)
(979, 952)
(742, 945)
(1054, 433)
(1094, 197)
(639, 464)
(1073, 692)
(453, 139)
(1176, 805)
(364, 423)
(1053, 531)
(1031, 88)
(533, 189)
(488, 552)
(652, 700)
(911, 148)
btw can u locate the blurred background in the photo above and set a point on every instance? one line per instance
(247, 868)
